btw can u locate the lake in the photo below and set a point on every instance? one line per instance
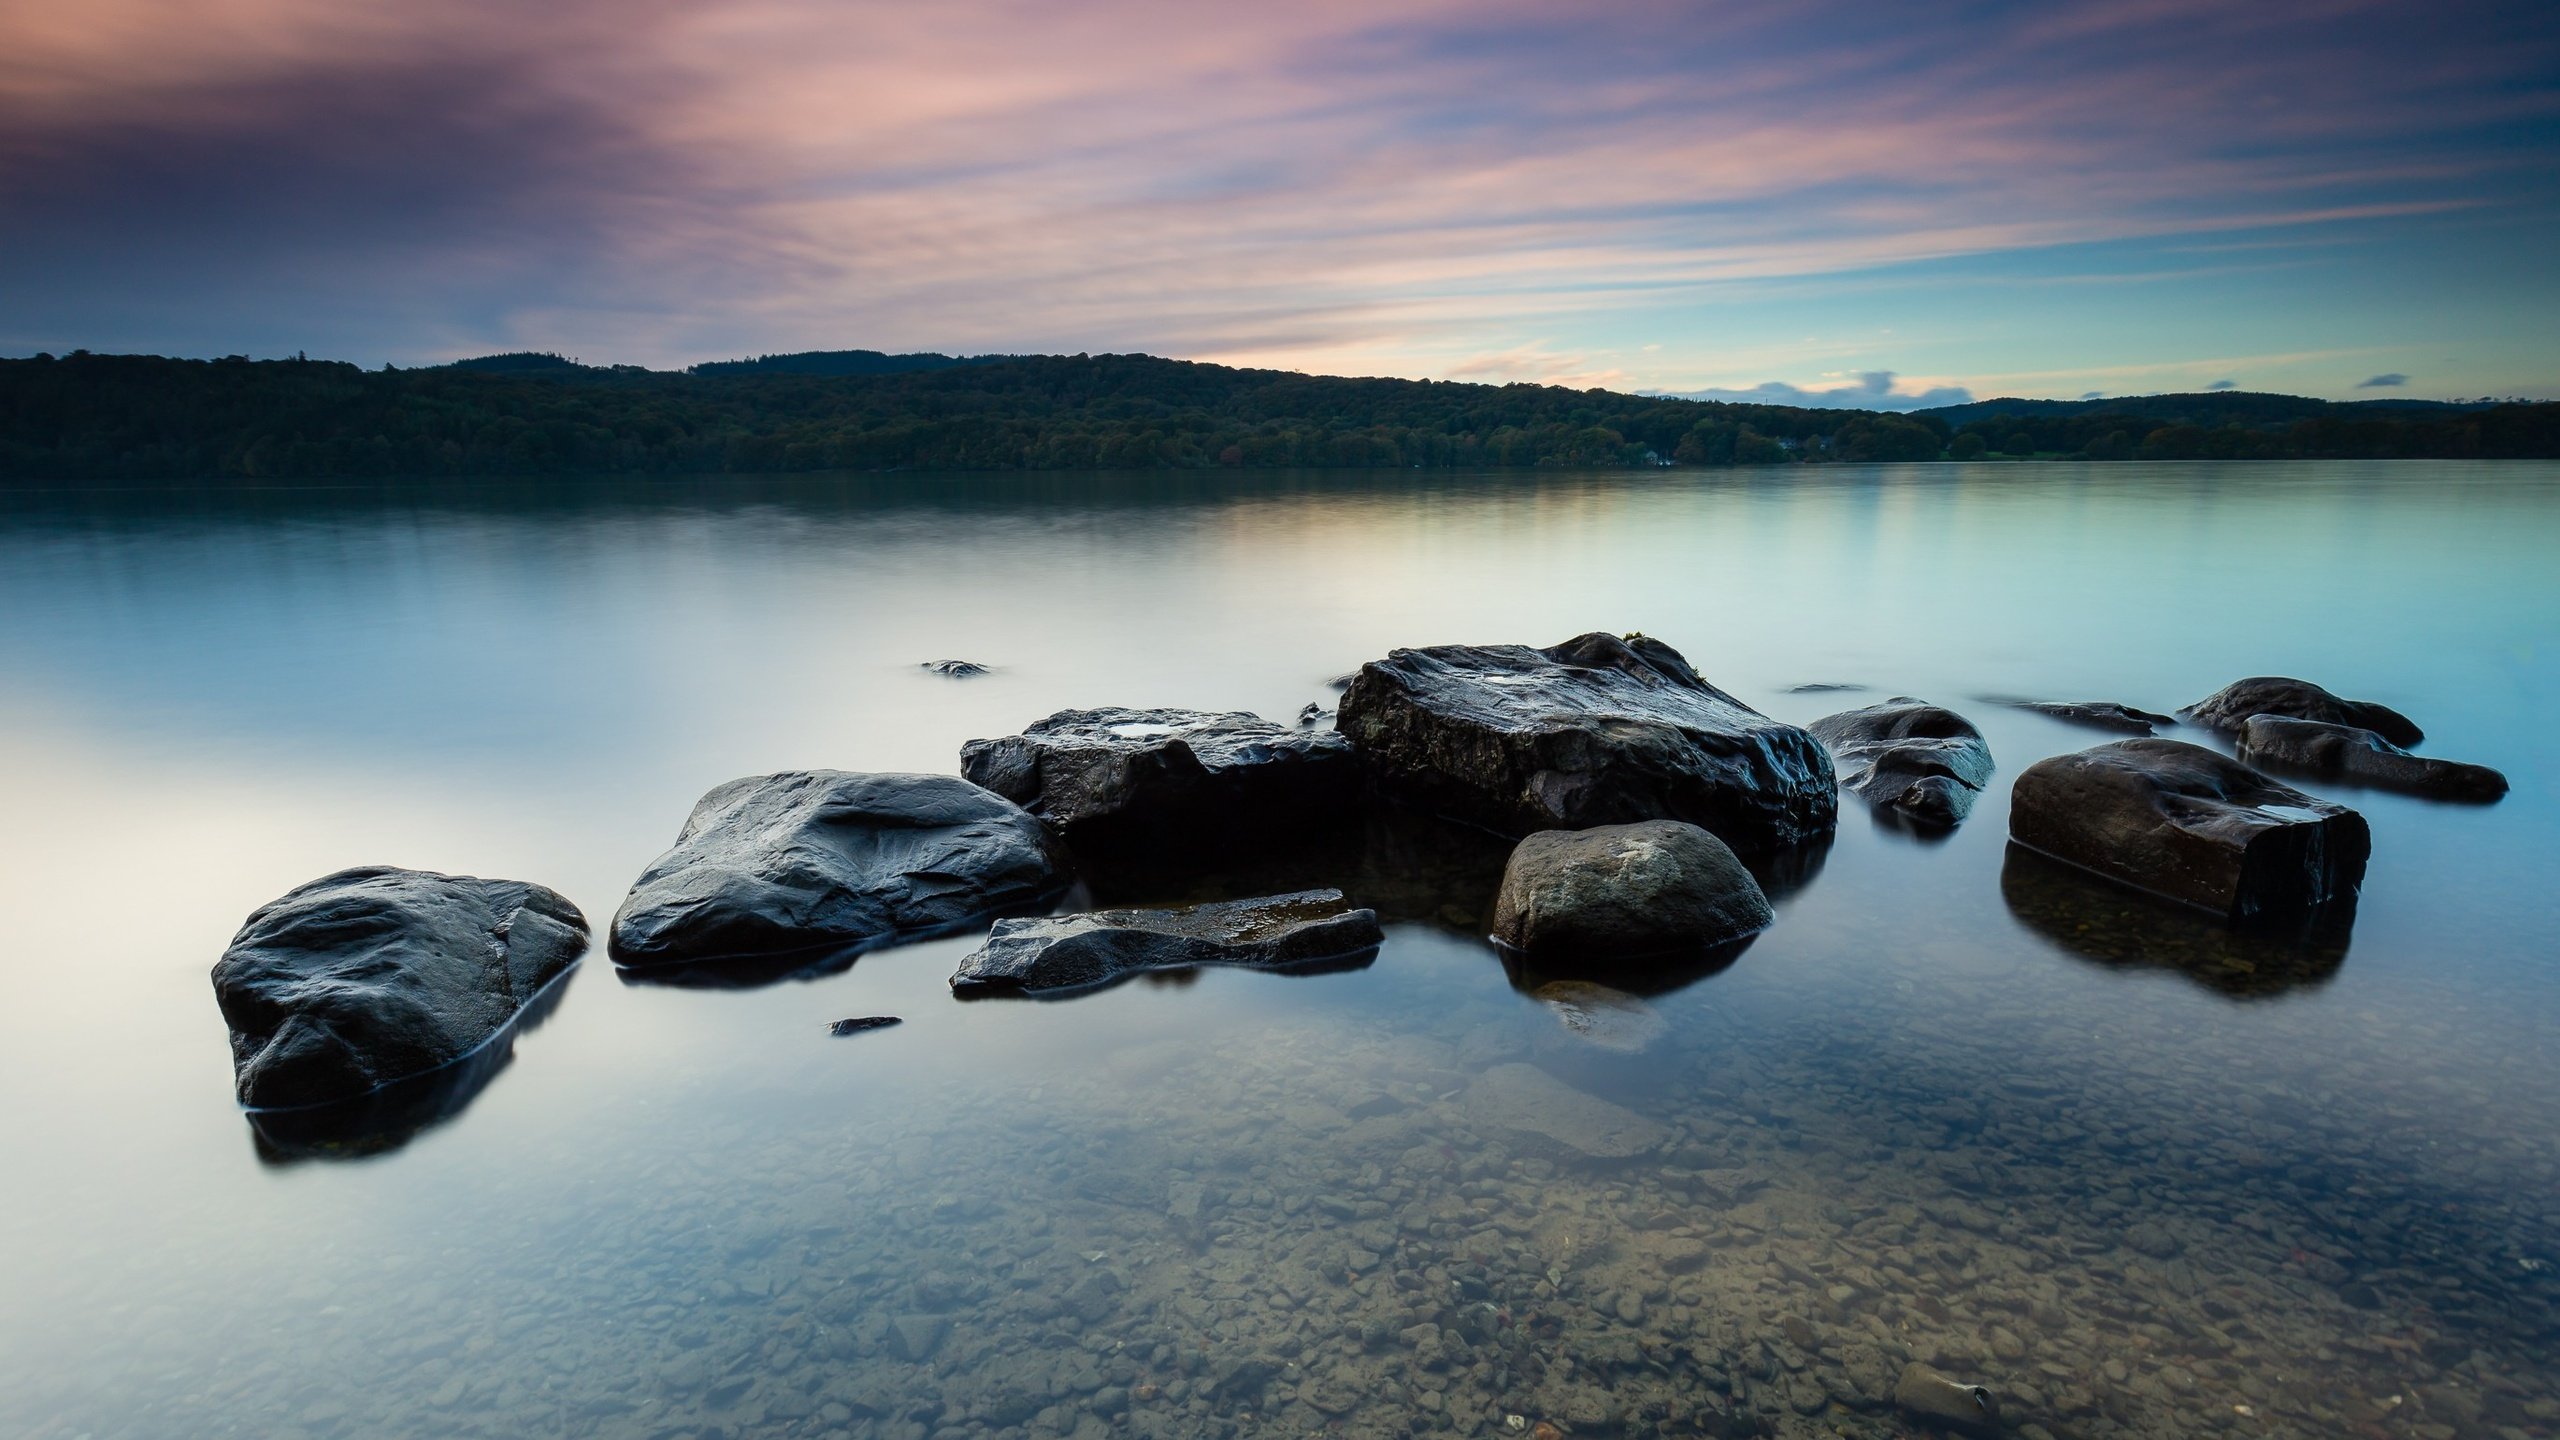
(2135, 1176)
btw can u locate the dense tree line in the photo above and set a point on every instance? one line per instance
(142, 417)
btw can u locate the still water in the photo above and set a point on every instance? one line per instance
(2137, 1180)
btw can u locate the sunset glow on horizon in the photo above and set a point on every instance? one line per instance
(1901, 204)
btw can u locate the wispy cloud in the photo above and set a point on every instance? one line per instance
(2392, 381)
(1399, 186)
(1869, 390)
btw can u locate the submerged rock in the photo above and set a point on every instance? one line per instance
(1921, 763)
(1602, 1015)
(1533, 1106)
(2180, 821)
(2101, 714)
(1649, 887)
(824, 859)
(2230, 707)
(2345, 751)
(1310, 929)
(1596, 731)
(378, 974)
(1157, 779)
(1925, 1395)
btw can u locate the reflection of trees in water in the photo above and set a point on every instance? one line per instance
(389, 1118)
(2105, 923)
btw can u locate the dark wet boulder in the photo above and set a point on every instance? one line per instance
(1916, 761)
(2098, 714)
(2346, 752)
(1656, 886)
(2230, 707)
(1130, 780)
(863, 1024)
(2180, 821)
(1312, 929)
(822, 859)
(377, 974)
(1596, 731)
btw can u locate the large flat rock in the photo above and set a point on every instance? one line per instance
(810, 860)
(1306, 930)
(377, 974)
(1125, 779)
(2184, 823)
(1596, 731)
(1532, 1105)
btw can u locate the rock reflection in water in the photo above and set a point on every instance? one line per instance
(2095, 920)
(391, 1117)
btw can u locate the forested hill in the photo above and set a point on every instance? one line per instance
(86, 416)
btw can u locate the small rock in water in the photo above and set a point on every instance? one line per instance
(858, 1024)
(1823, 687)
(956, 669)
(1314, 714)
(2100, 714)
(2317, 748)
(1924, 1394)
(2230, 707)
(1309, 929)
(1656, 886)
(1915, 761)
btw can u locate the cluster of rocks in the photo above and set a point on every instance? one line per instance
(1646, 809)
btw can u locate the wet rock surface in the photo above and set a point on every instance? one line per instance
(1921, 763)
(955, 669)
(861, 1024)
(1652, 887)
(1595, 731)
(2314, 747)
(1132, 780)
(812, 860)
(1308, 929)
(2097, 714)
(377, 974)
(2230, 707)
(2179, 821)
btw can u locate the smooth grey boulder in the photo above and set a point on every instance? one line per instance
(2100, 714)
(2180, 821)
(1653, 886)
(825, 859)
(2230, 707)
(377, 974)
(1308, 930)
(1928, 1396)
(1596, 731)
(1131, 779)
(2363, 756)
(1919, 762)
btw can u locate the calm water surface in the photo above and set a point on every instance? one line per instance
(2136, 1178)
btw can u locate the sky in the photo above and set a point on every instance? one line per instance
(1879, 204)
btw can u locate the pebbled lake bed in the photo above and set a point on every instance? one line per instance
(2138, 1177)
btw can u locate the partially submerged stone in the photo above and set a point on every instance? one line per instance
(1603, 1015)
(955, 669)
(1650, 887)
(1529, 1105)
(1933, 1398)
(2230, 707)
(1132, 779)
(1311, 929)
(2180, 821)
(1596, 731)
(2099, 714)
(2344, 751)
(378, 974)
(810, 860)
(1919, 762)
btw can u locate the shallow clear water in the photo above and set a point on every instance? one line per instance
(2136, 1180)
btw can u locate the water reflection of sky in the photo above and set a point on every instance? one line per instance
(206, 703)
